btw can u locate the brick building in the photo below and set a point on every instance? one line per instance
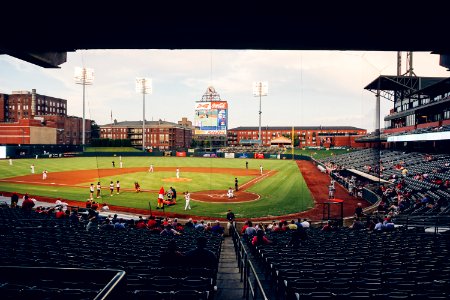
(325, 136)
(158, 134)
(42, 112)
(27, 131)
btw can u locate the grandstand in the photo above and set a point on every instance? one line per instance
(31, 239)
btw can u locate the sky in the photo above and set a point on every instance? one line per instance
(306, 88)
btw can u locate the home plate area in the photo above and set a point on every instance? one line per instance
(221, 196)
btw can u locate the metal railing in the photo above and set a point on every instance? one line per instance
(424, 221)
(252, 284)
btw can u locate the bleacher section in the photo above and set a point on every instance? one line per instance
(35, 240)
(415, 176)
(356, 264)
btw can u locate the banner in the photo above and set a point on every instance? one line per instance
(259, 155)
(229, 155)
(181, 154)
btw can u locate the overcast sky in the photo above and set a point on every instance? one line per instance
(306, 88)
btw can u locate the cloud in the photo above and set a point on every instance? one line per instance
(305, 87)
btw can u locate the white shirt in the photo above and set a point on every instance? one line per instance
(187, 196)
(305, 224)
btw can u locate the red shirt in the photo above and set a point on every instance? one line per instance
(141, 225)
(161, 190)
(151, 223)
(60, 214)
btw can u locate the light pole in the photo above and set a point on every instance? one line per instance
(260, 88)
(84, 76)
(144, 86)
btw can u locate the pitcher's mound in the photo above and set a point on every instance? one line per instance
(174, 179)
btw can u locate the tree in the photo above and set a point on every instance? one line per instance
(296, 139)
(95, 130)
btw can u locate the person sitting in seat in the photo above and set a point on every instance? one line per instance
(171, 257)
(260, 239)
(200, 256)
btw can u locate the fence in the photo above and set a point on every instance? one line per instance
(252, 284)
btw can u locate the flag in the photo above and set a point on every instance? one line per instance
(111, 115)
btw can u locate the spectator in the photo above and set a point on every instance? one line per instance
(357, 224)
(328, 226)
(305, 223)
(292, 225)
(260, 239)
(171, 257)
(201, 257)
(169, 231)
(14, 200)
(59, 214)
(379, 226)
(27, 203)
(120, 225)
(359, 211)
(107, 225)
(217, 229)
(230, 218)
(74, 218)
(297, 237)
(200, 226)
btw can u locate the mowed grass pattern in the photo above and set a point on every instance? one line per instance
(283, 193)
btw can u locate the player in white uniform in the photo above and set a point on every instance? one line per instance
(187, 197)
(44, 174)
(111, 188)
(261, 169)
(178, 173)
(230, 193)
(151, 168)
(32, 169)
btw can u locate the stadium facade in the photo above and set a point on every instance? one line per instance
(420, 116)
(309, 136)
(160, 134)
(30, 118)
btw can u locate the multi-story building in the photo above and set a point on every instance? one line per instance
(45, 112)
(158, 134)
(325, 136)
(26, 105)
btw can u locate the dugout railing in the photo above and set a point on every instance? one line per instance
(252, 285)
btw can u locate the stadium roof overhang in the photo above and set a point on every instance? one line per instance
(393, 87)
(43, 32)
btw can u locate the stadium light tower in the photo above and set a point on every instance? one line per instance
(260, 88)
(144, 86)
(84, 76)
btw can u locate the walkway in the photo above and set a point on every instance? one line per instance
(229, 285)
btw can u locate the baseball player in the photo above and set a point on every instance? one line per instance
(187, 197)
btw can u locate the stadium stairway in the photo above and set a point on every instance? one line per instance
(229, 285)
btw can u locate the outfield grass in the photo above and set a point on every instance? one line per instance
(111, 149)
(283, 193)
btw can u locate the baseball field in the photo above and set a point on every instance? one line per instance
(280, 190)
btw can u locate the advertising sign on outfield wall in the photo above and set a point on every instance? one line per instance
(181, 154)
(259, 155)
(2, 151)
(229, 155)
